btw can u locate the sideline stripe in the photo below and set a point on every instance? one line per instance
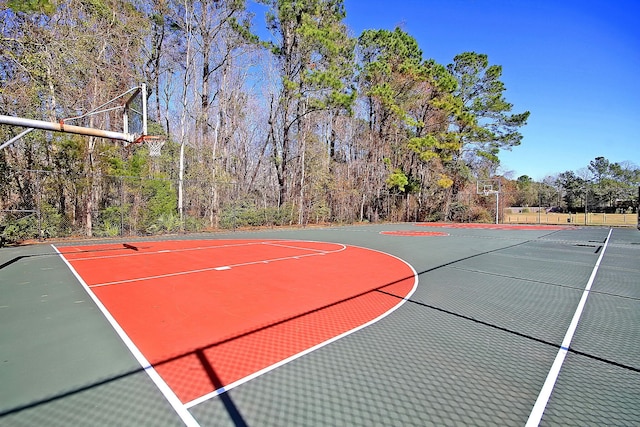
(547, 388)
(171, 397)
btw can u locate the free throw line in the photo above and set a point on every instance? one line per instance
(219, 267)
(547, 388)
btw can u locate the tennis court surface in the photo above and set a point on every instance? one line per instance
(395, 324)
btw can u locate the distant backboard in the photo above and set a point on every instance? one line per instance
(487, 186)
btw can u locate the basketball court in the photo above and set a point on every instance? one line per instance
(396, 324)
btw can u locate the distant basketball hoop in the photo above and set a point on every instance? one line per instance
(487, 187)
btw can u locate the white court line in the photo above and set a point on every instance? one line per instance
(201, 270)
(164, 251)
(547, 388)
(342, 247)
(263, 371)
(178, 406)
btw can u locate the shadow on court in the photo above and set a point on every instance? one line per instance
(125, 246)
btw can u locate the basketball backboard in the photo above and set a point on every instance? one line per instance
(134, 115)
(487, 186)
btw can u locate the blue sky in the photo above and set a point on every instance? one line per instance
(575, 65)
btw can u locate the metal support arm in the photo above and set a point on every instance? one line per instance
(58, 127)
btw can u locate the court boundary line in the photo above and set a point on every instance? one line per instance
(181, 410)
(164, 251)
(161, 251)
(228, 387)
(547, 388)
(219, 267)
(321, 251)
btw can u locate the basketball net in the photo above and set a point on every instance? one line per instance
(154, 144)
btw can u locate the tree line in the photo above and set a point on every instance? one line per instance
(601, 186)
(294, 123)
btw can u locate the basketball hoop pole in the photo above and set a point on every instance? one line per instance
(138, 95)
(61, 127)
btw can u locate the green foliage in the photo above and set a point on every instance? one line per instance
(410, 98)
(110, 220)
(459, 212)
(400, 182)
(47, 7)
(385, 52)
(397, 180)
(18, 230)
(99, 8)
(316, 43)
(524, 181)
(391, 60)
(248, 214)
(48, 223)
(433, 146)
(484, 123)
(160, 208)
(320, 211)
(243, 29)
(194, 224)
(167, 222)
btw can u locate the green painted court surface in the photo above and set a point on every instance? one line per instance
(473, 345)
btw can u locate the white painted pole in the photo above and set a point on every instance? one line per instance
(61, 127)
(143, 88)
(15, 138)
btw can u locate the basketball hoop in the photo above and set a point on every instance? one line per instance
(487, 187)
(154, 144)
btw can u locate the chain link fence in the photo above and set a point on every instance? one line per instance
(119, 206)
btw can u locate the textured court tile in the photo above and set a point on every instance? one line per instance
(618, 281)
(592, 392)
(423, 367)
(539, 310)
(610, 330)
(129, 399)
(547, 271)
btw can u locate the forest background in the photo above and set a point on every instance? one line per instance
(310, 124)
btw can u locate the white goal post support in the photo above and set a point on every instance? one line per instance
(62, 127)
(136, 104)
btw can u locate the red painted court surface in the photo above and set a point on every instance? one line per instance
(213, 314)
(494, 226)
